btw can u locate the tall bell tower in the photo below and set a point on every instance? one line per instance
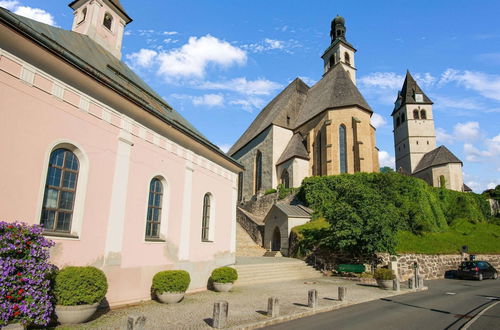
(103, 21)
(340, 52)
(413, 121)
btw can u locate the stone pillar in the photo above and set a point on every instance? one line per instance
(136, 322)
(273, 307)
(395, 284)
(312, 298)
(221, 310)
(420, 284)
(342, 293)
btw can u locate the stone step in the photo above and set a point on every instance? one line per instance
(245, 245)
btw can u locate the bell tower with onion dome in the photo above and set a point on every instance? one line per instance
(340, 52)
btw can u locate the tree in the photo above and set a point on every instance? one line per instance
(386, 169)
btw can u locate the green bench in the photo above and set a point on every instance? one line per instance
(351, 268)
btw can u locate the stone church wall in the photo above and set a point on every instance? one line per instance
(434, 266)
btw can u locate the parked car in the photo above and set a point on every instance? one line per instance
(477, 270)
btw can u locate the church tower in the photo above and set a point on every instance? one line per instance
(414, 133)
(340, 52)
(103, 21)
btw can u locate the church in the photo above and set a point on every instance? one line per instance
(116, 176)
(306, 130)
(415, 141)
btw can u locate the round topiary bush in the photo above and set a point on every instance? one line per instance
(79, 286)
(384, 274)
(171, 281)
(224, 275)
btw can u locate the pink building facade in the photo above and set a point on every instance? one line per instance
(119, 180)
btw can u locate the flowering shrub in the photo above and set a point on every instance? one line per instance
(24, 275)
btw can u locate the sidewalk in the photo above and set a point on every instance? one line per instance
(247, 305)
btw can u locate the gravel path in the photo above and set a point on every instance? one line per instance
(247, 305)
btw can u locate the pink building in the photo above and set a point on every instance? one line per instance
(117, 177)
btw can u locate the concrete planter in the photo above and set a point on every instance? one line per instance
(75, 314)
(384, 284)
(170, 297)
(222, 287)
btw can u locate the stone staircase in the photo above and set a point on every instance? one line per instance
(266, 270)
(245, 245)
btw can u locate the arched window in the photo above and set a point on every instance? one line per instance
(398, 122)
(285, 179)
(258, 171)
(403, 118)
(415, 114)
(83, 15)
(342, 149)
(423, 115)
(108, 21)
(240, 187)
(332, 61)
(319, 153)
(205, 222)
(153, 218)
(60, 191)
(347, 58)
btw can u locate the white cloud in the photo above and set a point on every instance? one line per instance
(144, 58)
(249, 103)
(385, 159)
(309, 81)
(486, 85)
(37, 14)
(443, 137)
(457, 102)
(377, 120)
(192, 59)
(383, 80)
(243, 86)
(224, 147)
(467, 131)
(272, 44)
(210, 100)
(170, 33)
(9, 5)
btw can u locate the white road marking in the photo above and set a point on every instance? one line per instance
(474, 319)
(450, 293)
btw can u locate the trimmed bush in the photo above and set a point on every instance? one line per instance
(224, 275)
(270, 191)
(171, 281)
(384, 274)
(79, 286)
(24, 275)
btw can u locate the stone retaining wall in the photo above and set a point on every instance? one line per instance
(255, 230)
(434, 266)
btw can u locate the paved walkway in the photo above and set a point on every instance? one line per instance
(247, 305)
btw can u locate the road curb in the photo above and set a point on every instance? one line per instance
(478, 315)
(285, 318)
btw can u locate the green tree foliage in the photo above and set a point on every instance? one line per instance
(386, 169)
(492, 193)
(366, 210)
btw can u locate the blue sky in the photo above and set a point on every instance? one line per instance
(220, 62)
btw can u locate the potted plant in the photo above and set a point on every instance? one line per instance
(171, 285)
(78, 291)
(223, 278)
(384, 277)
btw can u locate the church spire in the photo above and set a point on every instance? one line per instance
(102, 21)
(338, 29)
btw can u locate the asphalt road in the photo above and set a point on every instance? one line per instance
(448, 304)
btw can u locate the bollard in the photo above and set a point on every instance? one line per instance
(420, 282)
(136, 322)
(273, 307)
(395, 284)
(312, 298)
(342, 293)
(411, 284)
(221, 310)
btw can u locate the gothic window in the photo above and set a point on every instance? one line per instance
(240, 187)
(423, 115)
(319, 153)
(402, 118)
(258, 171)
(60, 190)
(205, 223)
(84, 15)
(342, 149)
(285, 179)
(153, 218)
(347, 58)
(415, 114)
(108, 21)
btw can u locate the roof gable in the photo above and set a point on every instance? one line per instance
(438, 156)
(334, 90)
(285, 104)
(407, 93)
(295, 148)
